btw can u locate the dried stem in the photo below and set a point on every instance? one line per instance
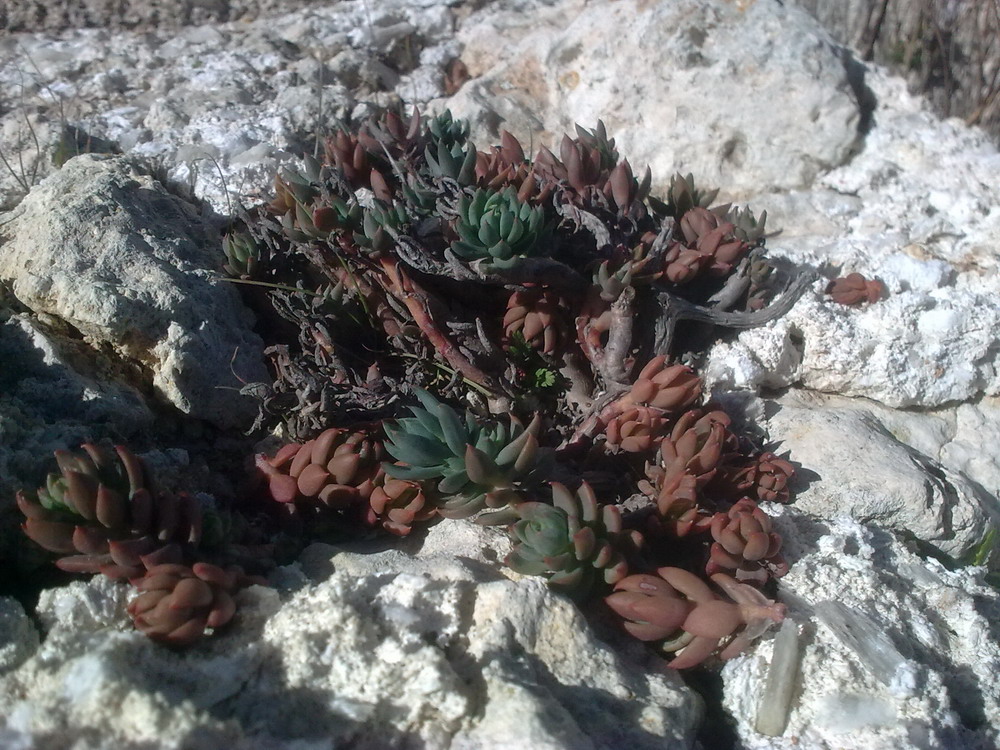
(417, 302)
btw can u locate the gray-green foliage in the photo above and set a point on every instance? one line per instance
(497, 227)
(470, 464)
(571, 542)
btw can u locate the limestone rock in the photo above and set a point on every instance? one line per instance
(390, 650)
(938, 47)
(18, 637)
(218, 106)
(918, 207)
(676, 83)
(133, 269)
(856, 467)
(940, 622)
(47, 403)
(34, 15)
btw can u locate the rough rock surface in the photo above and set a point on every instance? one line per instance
(858, 468)
(132, 269)
(940, 47)
(18, 637)
(218, 106)
(387, 651)
(50, 399)
(674, 83)
(56, 15)
(944, 692)
(919, 208)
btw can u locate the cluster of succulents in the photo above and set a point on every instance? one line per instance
(457, 333)
(102, 512)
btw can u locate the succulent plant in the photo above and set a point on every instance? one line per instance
(473, 466)
(102, 514)
(682, 263)
(291, 189)
(678, 511)
(243, 254)
(672, 388)
(497, 227)
(584, 165)
(387, 262)
(178, 603)
(624, 190)
(396, 504)
(391, 132)
(337, 469)
(854, 289)
(535, 314)
(350, 157)
(447, 130)
(745, 545)
(765, 477)
(380, 225)
(714, 239)
(574, 542)
(638, 429)
(695, 446)
(684, 617)
(746, 226)
(683, 195)
(597, 140)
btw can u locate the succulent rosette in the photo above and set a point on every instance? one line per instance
(397, 504)
(766, 477)
(574, 542)
(855, 289)
(671, 388)
(102, 513)
(635, 430)
(497, 228)
(338, 468)
(471, 465)
(745, 545)
(178, 603)
(536, 314)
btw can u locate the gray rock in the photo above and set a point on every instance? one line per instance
(217, 107)
(18, 637)
(857, 468)
(55, 392)
(133, 271)
(749, 96)
(34, 15)
(429, 648)
(936, 626)
(939, 47)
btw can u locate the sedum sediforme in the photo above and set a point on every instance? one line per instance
(469, 465)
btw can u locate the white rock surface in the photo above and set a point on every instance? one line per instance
(134, 270)
(390, 650)
(675, 83)
(918, 207)
(947, 693)
(18, 637)
(235, 97)
(858, 468)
